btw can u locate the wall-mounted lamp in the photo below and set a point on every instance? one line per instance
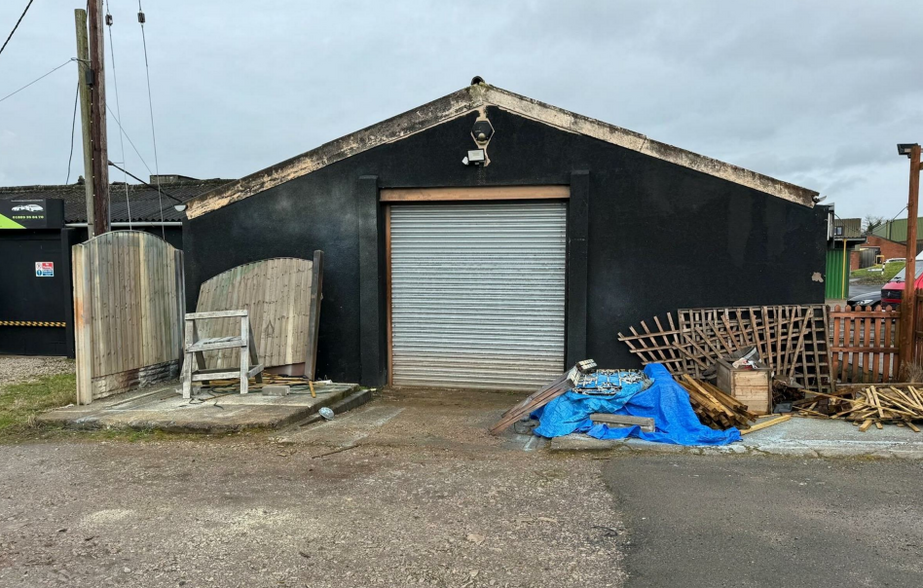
(475, 157)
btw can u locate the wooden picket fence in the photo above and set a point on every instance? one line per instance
(864, 344)
(129, 303)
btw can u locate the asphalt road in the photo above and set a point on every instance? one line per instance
(697, 521)
(857, 289)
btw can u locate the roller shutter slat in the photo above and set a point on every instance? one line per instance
(478, 294)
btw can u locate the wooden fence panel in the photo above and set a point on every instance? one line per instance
(918, 330)
(129, 303)
(864, 344)
(277, 294)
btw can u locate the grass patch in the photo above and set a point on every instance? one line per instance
(21, 403)
(878, 274)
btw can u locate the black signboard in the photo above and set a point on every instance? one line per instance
(38, 213)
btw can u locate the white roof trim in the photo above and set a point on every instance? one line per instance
(469, 100)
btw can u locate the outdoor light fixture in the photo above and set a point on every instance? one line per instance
(475, 157)
(179, 207)
(904, 148)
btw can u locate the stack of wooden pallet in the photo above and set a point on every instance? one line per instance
(875, 405)
(791, 340)
(714, 408)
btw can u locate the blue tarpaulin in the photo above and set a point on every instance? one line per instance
(665, 401)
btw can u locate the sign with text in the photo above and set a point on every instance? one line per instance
(39, 213)
(44, 269)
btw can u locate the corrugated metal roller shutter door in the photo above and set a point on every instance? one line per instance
(477, 294)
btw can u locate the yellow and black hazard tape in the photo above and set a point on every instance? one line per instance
(32, 324)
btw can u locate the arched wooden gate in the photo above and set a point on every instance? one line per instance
(129, 304)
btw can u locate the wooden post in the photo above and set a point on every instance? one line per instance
(100, 153)
(187, 357)
(317, 284)
(909, 300)
(83, 323)
(83, 71)
(245, 354)
(844, 289)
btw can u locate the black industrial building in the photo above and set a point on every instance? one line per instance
(39, 225)
(489, 240)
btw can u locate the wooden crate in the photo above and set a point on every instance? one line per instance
(753, 387)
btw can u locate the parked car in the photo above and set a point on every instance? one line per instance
(893, 291)
(28, 208)
(868, 299)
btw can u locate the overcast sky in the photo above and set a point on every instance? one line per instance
(815, 93)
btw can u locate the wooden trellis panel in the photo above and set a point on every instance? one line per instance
(792, 340)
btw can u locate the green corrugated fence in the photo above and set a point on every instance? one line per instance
(834, 286)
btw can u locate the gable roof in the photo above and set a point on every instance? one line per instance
(475, 98)
(145, 204)
(852, 228)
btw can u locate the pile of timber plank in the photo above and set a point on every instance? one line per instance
(543, 396)
(268, 380)
(714, 408)
(875, 405)
(792, 340)
(784, 392)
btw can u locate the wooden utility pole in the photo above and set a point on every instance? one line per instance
(98, 118)
(909, 302)
(83, 73)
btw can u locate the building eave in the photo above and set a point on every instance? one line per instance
(471, 99)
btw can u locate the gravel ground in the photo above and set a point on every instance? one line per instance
(16, 368)
(247, 512)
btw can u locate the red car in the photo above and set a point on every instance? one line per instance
(893, 291)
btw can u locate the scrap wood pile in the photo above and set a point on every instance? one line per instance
(714, 408)
(875, 405)
(790, 340)
(233, 386)
(543, 396)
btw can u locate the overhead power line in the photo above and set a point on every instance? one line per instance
(159, 190)
(21, 16)
(11, 94)
(150, 102)
(70, 158)
(118, 108)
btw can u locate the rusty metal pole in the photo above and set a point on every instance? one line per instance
(909, 302)
(98, 118)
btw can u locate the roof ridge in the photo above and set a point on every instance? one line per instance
(80, 187)
(475, 98)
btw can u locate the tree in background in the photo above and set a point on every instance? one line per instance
(870, 222)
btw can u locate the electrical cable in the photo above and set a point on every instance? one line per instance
(10, 95)
(16, 26)
(70, 158)
(150, 102)
(130, 142)
(118, 108)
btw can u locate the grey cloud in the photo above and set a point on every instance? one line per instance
(814, 93)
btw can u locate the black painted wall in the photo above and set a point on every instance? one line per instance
(660, 237)
(25, 297)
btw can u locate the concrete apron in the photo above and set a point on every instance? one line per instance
(163, 408)
(798, 437)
